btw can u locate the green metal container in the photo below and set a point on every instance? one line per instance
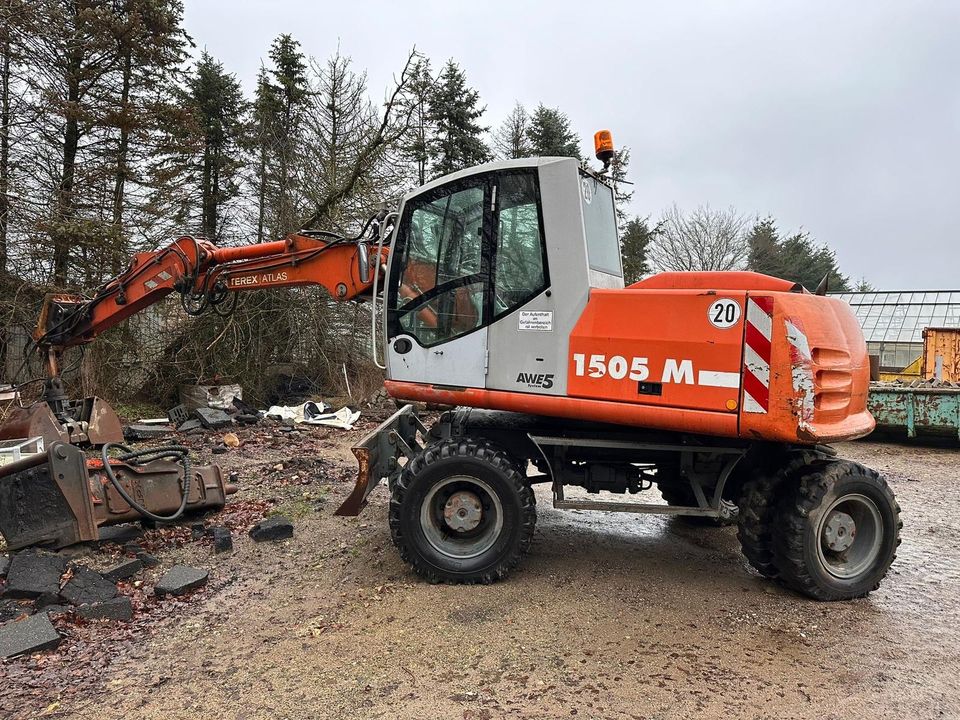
(916, 411)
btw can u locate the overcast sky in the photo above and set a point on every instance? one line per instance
(840, 118)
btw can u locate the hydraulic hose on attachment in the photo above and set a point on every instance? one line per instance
(179, 453)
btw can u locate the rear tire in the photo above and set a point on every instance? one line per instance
(838, 532)
(462, 512)
(766, 478)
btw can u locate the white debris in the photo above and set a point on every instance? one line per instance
(313, 413)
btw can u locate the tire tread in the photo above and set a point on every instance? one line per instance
(792, 516)
(490, 454)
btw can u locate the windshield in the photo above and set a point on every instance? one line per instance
(600, 226)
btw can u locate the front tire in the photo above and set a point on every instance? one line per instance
(837, 534)
(462, 512)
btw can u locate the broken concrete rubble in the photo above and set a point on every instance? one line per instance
(145, 432)
(192, 424)
(274, 528)
(86, 587)
(180, 579)
(34, 573)
(212, 418)
(119, 534)
(118, 608)
(124, 569)
(222, 539)
(178, 415)
(147, 559)
(29, 635)
(4, 565)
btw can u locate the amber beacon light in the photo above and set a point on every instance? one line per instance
(603, 146)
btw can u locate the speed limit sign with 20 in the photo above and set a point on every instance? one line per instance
(724, 313)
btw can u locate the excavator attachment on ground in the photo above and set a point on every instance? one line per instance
(61, 497)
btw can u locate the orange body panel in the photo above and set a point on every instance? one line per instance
(730, 354)
(662, 338)
(634, 414)
(819, 373)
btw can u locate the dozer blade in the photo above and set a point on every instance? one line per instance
(378, 454)
(60, 498)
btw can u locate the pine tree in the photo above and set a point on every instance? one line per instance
(622, 189)
(455, 110)
(340, 122)
(10, 24)
(634, 239)
(74, 57)
(510, 140)
(417, 146)
(290, 86)
(265, 109)
(550, 134)
(796, 258)
(150, 49)
(215, 101)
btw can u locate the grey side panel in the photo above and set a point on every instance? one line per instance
(461, 361)
(532, 353)
(603, 280)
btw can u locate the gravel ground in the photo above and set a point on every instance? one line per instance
(608, 617)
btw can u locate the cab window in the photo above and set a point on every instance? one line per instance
(441, 291)
(467, 254)
(520, 267)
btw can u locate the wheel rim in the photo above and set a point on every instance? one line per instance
(850, 536)
(461, 517)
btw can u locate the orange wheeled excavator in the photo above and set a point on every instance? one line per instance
(503, 296)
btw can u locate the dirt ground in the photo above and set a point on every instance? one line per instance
(609, 616)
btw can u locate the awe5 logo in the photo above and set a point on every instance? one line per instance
(537, 380)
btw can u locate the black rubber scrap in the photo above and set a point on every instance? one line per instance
(180, 579)
(273, 528)
(29, 635)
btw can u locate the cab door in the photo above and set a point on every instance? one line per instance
(438, 298)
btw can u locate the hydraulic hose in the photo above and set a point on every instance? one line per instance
(178, 452)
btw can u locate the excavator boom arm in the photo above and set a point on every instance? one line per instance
(206, 274)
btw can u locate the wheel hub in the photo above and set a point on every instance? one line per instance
(463, 511)
(839, 531)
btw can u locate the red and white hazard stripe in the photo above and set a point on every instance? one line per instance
(756, 355)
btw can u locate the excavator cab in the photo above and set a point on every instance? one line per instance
(476, 255)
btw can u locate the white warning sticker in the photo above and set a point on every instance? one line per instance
(536, 320)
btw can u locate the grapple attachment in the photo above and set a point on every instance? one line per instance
(87, 422)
